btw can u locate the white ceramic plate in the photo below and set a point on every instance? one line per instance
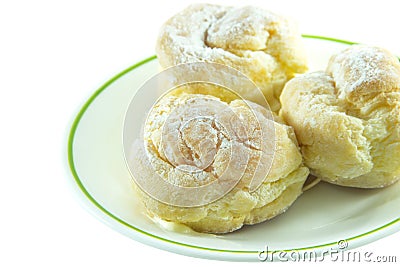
(317, 220)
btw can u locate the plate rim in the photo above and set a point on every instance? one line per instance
(113, 217)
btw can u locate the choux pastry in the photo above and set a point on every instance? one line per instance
(347, 119)
(189, 148)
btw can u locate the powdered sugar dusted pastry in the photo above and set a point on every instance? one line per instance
(264, 46)
(347, 119)
(198, 151)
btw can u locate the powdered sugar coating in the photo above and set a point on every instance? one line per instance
(264, 46)
(362, 70)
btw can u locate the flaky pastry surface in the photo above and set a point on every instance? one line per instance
(264, 46)
(282, 183)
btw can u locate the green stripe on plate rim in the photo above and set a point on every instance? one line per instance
(108, 213)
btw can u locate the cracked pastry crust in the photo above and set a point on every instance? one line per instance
(281, 185)
(264, 46)
(347, 119)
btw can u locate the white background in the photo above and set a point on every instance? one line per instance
(53, 56)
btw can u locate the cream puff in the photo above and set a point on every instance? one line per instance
(347, 119)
